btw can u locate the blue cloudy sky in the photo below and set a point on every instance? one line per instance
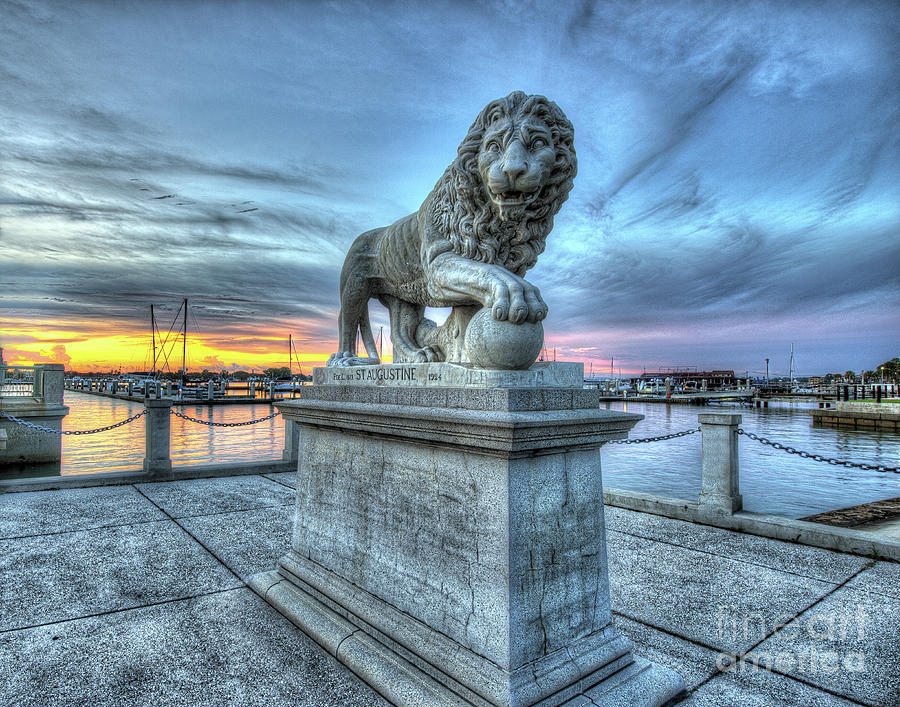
(737, 192)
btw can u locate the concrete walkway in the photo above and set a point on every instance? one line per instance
(135, 595)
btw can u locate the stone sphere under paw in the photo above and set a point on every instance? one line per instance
(501, 344)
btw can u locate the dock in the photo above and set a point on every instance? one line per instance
(693, 398)
(267, 394)
(881, 416)
(117, 595)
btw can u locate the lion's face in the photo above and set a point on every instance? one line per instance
(515, 161)
(495, 203)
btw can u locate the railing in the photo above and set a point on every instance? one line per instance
(157, 412)
(21, 381)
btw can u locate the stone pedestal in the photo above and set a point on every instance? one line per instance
(449, 543)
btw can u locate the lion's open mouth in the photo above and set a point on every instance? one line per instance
(512, 198)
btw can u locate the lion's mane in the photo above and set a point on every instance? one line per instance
(462, 209)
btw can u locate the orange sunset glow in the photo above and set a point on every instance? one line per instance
(99, 349)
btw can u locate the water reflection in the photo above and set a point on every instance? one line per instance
(191, 443)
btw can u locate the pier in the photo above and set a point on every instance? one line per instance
(204, 393)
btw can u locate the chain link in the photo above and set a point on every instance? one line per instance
(654, 439)
(41, 428)
(224, 424)
(819, 457)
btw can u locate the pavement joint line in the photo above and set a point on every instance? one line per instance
(194, 538)
(811, 684)
(288, 486)
(235, 510)
(746, 562)
(79, 530)
(695, 641)
(737, 658)
(122, 610)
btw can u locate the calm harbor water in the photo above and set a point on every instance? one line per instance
(191, 443)
(771, 480)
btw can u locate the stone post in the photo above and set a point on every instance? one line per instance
(720, 491)
(53, 379)
(156, 459)
(210, 390)
(291, 441)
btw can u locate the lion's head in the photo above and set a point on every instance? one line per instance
(513, 172)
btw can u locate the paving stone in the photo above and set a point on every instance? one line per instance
(41, 512)
(818, 563)
(289, 478)
(749, 686)
(205, 496)
(715, 601)
(847, 644)
(246, 541)
(883, 577)
(694, 663)
(55, 577)
(223, 649)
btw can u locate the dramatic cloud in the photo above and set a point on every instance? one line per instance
(737, 188)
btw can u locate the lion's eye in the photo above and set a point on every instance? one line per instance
(538, 143)
(493, 146)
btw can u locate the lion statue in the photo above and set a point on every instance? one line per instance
(470, 243)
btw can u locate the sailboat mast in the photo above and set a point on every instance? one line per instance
(184, 343)
(153, 338)
(290, 358)
(791, 371)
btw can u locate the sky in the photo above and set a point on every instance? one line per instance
(738, 187)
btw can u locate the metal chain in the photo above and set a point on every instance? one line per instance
(653, 439)
(224, 424)
(819, 457)
(41, 428)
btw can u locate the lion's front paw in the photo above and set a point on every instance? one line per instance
(517, 300)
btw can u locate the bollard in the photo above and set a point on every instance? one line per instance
(210, 390)
(720, 488)
(157, 461)
(291, 451)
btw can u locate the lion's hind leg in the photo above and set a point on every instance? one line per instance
(405, 321)
(354, 315)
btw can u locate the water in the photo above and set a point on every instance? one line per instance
(771, 480)
(190, 442)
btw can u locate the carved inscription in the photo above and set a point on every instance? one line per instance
(392, 373)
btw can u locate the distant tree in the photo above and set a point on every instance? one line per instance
(240, 375)
(849, 376)
(283, 372)
(891, 370)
